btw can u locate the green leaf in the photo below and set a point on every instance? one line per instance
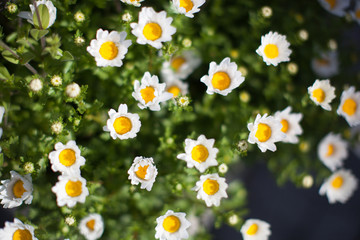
(4, 73)
(37, 34)
(67, 56)
(26, 57)
(44, 17)
(10, 57)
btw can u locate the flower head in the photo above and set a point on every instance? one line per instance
(183, 101)
(188, 7)
(135, 3)
(143, 171)
(211, 188)
(266, 11)
(172, 226)
(17, 231)
(73, 90)
(79, 17)
(92, 226)
(255, 229)
(12, 8)
(332, 151)
(290, 124)
(36, 85)
(349, 107)
(44, 5)
(56, 80)
(356, 13)
(336, 7)
(322, 93)
(326, 65)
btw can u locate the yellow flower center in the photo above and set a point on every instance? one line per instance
(330, 150)
(349, 106)
(18, 189)
(174, 90)
(187, 4)
(108, 50)
(152, 31)
(210, 186)
(220, 80)
(122, 125)
(147, 94)
(67, 157)
(177, 62)
(199, 153)
(357, 13)
(319, 95)
(141, 172)
(171, 224)
(271, 51)
(285, 126)
(252, 230)
(90, 224)
(263, 132)
(73, 189)
(332, 3)
(337, 182)
(22, 234)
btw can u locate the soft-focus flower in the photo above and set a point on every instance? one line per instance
(265, 132)
(70, 220)
(79, 40)
(199, 153)
(92, 226)
(336, 7)
(176, 87)
(223, 168)
(126, 17)
(290, 124)
(73, 90)
(211, 188)
(356, 13)
(16, 190)
(12, 8)
(307, 181)
(326, 65)
(332, 44)
(349, 107)
(17, 231)
(233, 219)
(274, 48)
(153, 28)
(339, 187)
(29, 167)
(79, 17)
(183, 101)
(303, 34)
(222, 78)
(172, 226)
(188, 7)
(135, 3)
(266, 11)
(292, 68)
(36, 85)
(109, 49)
(332, 151)
(49, 7)
(122, 124)
(322, 93)
(244, 97)
(143, 171)
(56, 80)
(255, 229)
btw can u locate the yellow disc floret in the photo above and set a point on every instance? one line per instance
(263, 132)
(171, 224)
(337, 182)
(357, 13)
(90, 224)
(22, 234)
(141, 172)
(210, 186)
(108, 50)
(152, 31)
(187, 4)
(271, 51)
(285, 126)
(122, 125)
(252, 230)
(73, 189)
(174, 90)
(220, 81)
(330, 150)
(177, 62)
(199, 153)
(349, 106)
(319, 95)
(148, 94)
(67, 157)
(18, 189)
(332, 3)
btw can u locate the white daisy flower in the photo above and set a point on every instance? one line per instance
(143, 171)
(339, 187)
(322, 93)
(109, 49)
(66, 158)
(153, 28)
(222, 78)
(176, 87)
(188, 7)
(122, 124)
(150, 93)
(332, 151)
(92, 226)
(265, 132)
(51, 10)
(274, 48)
(135, 3)
(17, 231)
(255, 229)
(69, 190)
(326, 65)
(199, 153)
(290, 124)
(180, 66)
(349, 107)
(16, 190)
(356, 13)
(172, 226)
(336, 7)
(211, 188)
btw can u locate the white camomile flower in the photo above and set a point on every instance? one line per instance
(109, 49)
(265, 132)
(255, 229)
(70, 190)
(290, 124)
(356, 12)
(326, 65)
(188, 7)
(222, 78)
(16, 190)
(135, 3)
(92, 226)
(150, 93)
(66, 158)
(336, 7)
(122, 124)
(274, 48)
(153, 28)
(176, 87)
(349, 107)
(339, 187)
(322, 93)
(332, 151)
(17, 230)
(143, 171)
(31, 15)
(211, 188)
(199, 153)
(172, 226)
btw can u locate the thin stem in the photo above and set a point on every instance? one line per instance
(42, 40)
